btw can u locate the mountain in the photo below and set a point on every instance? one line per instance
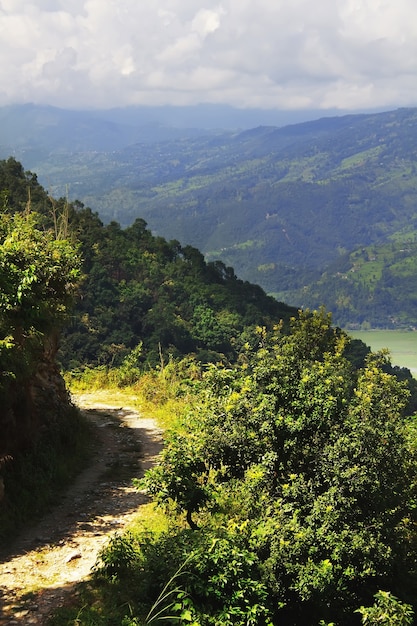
(36, 132)
(280, 205)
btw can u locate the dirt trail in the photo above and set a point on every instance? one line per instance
(42, 568)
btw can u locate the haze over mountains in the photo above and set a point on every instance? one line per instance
(32, 129)
(316, 212)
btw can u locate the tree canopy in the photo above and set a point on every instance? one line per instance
(313, 464)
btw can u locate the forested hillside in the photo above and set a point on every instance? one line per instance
(161, 299)
(372, 286)
(76, 294)
(289, 474)
(280, 205)
(139, 291)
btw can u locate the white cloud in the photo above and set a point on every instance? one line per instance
(268, 53)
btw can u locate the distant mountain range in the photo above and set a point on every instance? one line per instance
(39, 130)
(321, 211)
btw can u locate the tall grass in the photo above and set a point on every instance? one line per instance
(163, 392)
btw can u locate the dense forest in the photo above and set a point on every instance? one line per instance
(140, 291)
(288, 479)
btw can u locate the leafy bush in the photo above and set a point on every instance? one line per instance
(387, 611)
(315, 458)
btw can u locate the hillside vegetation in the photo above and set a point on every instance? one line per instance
(372, 286)
(42, 438)
(287, 486)
(289, 474)
(280, 205)
(142, 292)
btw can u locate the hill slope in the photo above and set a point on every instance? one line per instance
(375, 285)
(139, 292)
(278, 204)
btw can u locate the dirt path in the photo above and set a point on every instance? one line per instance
(44, 565)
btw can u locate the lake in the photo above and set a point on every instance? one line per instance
(401, 344)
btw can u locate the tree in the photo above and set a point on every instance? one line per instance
(38, 278)
(38, 275)
(317, 462)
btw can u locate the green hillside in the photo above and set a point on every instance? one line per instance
(288, 476)
(143, 293)
(372, 286)
(280, 205)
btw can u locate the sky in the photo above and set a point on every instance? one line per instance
(268, 54)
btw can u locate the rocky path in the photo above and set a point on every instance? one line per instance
(42, 568)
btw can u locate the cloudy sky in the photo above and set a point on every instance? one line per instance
(273, 54)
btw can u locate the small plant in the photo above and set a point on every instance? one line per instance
(387, 610)
(119, 556)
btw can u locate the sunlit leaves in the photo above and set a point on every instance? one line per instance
(38, 273)
(317, 460)
(38, 278)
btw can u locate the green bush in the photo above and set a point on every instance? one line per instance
(387, 611)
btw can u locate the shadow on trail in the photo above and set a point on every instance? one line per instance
(35, 609)
(102, 494)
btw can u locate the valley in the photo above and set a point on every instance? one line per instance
(292, 209)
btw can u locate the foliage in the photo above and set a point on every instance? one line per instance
(299, 471)
(313, 460)
(42, 435)
(39, 270)
(387, 610)
(181, 572)
(38, 277)
(158, 299)
(371, 286)
(295, 468)
(142, 297)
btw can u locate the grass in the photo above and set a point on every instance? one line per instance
(162, 393)
(360, 158)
